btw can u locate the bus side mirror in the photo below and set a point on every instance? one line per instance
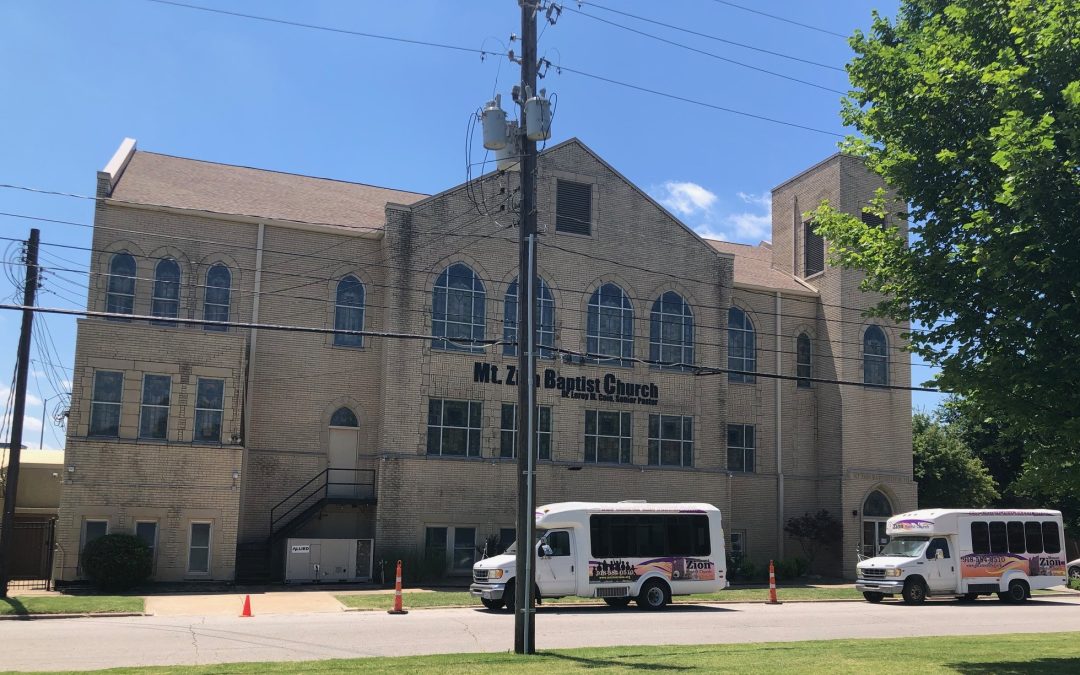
(939, 554)
(545, 551)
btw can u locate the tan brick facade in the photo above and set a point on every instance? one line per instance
(837, 443)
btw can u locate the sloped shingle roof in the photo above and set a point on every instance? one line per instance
(753, 267)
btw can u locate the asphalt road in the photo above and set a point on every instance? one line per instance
(104, 643)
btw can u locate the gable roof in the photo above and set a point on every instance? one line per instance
(177, 182)
(753, 268)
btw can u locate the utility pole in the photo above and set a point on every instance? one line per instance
(525, 614)
(7, 525)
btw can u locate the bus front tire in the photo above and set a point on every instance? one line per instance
(914, 592)
(873, 597)
(654, 595)
(493, 605)
(617, 602)
(1017, 593)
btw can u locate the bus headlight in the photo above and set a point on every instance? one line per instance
(495, 574)
(895, 572)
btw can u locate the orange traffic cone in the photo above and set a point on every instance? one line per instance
(397, 594)
(247, 607)
(772, 586)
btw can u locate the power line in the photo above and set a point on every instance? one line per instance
(780, 18)
(705, 53)
(708, 36)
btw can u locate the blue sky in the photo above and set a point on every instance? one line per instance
(81, 76)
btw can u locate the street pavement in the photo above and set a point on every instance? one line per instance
(162, 640)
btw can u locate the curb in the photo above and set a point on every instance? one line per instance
(87, 615)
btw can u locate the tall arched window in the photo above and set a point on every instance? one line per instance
(349, 312)
(343, 478)
(120, 297)
(218, 295)
(343, 417)
(803, 364)
(611, 326)
(875, 357)
(671, 330)
(742, 354)
(876, 511)
(457, 311)
(545, 319)
(166, 300)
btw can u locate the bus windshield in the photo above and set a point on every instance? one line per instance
(905, 547)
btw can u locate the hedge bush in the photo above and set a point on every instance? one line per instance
(117, 562)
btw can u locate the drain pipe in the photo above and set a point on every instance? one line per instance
(779, 439)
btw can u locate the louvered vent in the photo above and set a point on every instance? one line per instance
(813, 250)
(872, 219)
(573, 207)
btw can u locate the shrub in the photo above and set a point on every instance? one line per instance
(791, 568)
(416, 567)
(815, 533)
(117, 562)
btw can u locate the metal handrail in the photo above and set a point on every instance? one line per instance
(323, 488)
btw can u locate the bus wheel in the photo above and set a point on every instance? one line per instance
(914, 592)
(617, 602)
(653, 595)
(492, 604)
(873, 597)
(1017, 593)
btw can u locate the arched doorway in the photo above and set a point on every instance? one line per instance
(343, 453)
(876, 511)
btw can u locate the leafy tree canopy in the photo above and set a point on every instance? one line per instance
(970, 111)
(948, 474)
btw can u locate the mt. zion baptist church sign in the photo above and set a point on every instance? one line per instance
(607, 388)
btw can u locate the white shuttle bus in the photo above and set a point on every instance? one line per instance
(966, 553)
(615, 551)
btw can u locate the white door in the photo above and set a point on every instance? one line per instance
(940, 571)
(344, 452)
(555, 573)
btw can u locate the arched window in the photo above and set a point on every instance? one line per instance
(166, 300)
(876, 511)
(742, 354)
(875, 357)
(545, 319)
(671, 330)
(343, 417)
(457, 311)
(803, 364)
(349, 312)
(611, 326)
(218, 295)
(120, 297)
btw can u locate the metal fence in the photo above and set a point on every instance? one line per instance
(32, 562)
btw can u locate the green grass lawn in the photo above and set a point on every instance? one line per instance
(983, 655)
(71, 604)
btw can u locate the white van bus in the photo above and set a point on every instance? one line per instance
(615, 551)
(966, 553)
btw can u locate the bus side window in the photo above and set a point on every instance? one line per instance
(1034, 537)
(559, 541)
(936, 545)
(1016, 537)
(980, 537)
(999, 541)
(1051, 535)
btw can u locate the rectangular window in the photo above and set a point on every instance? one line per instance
(1016, 537)
(435, 543)
(146, 530)
(94, 529)
(1033, 534)
(649, 535)
(1051, 536)
(464, 548)
(105, 404)
(803, 364)
(980, 537)
(740, 447)
(573, 207)
(454, 428)
(872, 219)
(813, 250)
(607, 436)
(738, 543)
(209, 408)
(671, 440)
(154, 415)
(999, 541)
(199, 549)
(508, 431)
(507, 535)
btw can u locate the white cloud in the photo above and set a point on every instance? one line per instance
(754, 224)
(30, 422)
(685, 198)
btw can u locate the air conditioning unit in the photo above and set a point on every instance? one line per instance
(328, 560)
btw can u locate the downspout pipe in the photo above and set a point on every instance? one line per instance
(779, 435)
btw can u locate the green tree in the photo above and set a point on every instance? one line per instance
(970, 111)
(948, 474)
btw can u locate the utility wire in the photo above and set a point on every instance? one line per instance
(780, 18)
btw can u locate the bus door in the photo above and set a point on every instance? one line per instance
(940, 570)
(555, 574)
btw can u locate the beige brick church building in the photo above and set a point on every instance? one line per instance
(217, 442)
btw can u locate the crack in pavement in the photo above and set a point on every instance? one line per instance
(195, 639)
(468, 631)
